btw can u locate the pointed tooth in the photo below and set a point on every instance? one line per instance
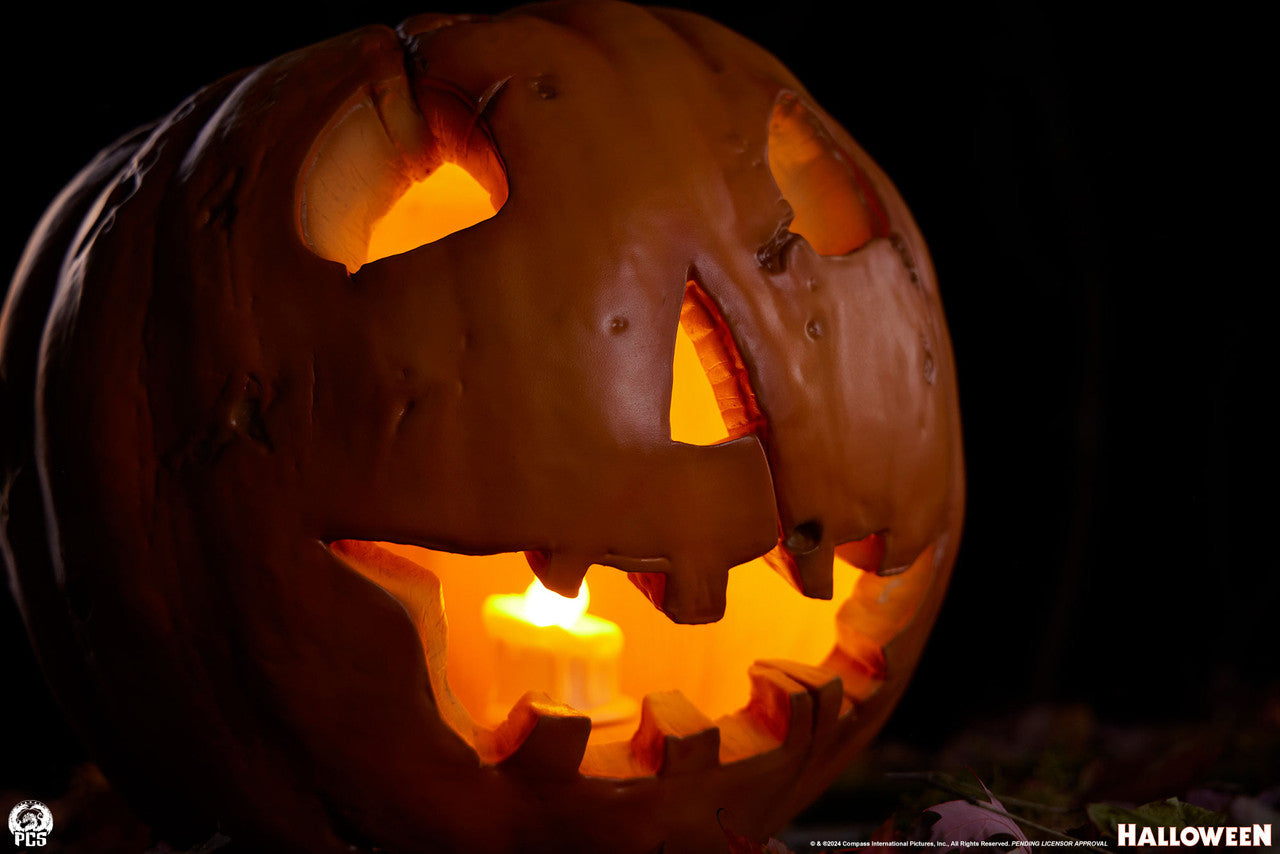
(814, 570)
(806, 560)
(686, 591)
(542, 738)
(781, 562)
(560, 573)
(674, 737)
(652, 584)
(867, 554)
(694, 594)
(825, 687)
(649, 575)
(780, 704)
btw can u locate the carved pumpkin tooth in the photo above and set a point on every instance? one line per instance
(808, 565)
(674, 737)
(815, 571)
(692, 595)
(780, 704)
(806, 560)
(559, 573)
(825, 689)
(686, 591)
(540, 738)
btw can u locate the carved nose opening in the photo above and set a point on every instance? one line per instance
(711, 396)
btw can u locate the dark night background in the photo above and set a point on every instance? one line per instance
(1089, 185)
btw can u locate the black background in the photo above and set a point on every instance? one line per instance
(1090, 187)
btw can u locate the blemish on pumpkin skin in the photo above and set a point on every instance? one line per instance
(239, 412)
(219, 208)
(900, 245)
(618, 325)
(737, 144)
(804, 537)
(247, 415)
(814, 329)
(490, 96)
(406, 409)
(930, 369)
(545, 87)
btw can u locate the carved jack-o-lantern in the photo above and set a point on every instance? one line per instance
(302, 377)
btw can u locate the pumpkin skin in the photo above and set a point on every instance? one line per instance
(209, 420)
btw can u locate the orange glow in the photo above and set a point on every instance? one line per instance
(495, 675)
(546, 642)
(695, 416)
(711, 396)
(386, 178)
(765, 619)
(447, 200)
(543, 608)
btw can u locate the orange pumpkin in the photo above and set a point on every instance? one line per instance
(348, 343)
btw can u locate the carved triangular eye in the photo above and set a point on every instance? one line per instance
(383, 178)
(836, 210)
(448, 200)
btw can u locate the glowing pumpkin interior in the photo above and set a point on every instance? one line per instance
(362, 201)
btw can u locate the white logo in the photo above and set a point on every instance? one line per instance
(30, 823)
(1244, 836)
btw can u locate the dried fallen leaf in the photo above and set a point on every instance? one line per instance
(965, 821)
(739, 844)
(1167, 813)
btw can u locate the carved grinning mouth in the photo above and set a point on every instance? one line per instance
(773, 669)
(776, 667)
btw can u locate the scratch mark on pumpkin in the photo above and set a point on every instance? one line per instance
(406, 409)
(486, 100)
(900, 245)
(488, 96)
